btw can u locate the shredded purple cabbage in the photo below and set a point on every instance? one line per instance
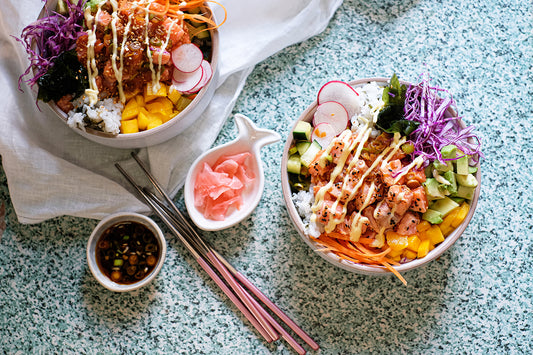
(423, 104)
(48, 37)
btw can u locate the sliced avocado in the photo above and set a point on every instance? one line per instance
(465, 192)
(459, 200)
(450, 177)
(444, 205)
(432, 216)
(462, 165)
(433, 192)
(302, 131)
(468, 180)
(310, 154)
(294, 165)
(448, 151)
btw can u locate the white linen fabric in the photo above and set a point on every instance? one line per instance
(53, 171)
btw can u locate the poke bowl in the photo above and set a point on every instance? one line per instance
(125, 74)
(380, 176)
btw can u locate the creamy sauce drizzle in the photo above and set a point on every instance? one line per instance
(383, 158)
(92, 70)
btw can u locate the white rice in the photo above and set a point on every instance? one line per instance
(370, 101)
(104, 116)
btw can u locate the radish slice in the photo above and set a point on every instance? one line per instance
(342, 93)
(333, 113)
(184, 82)
(323, 133)
(207, 74)
(187, 57)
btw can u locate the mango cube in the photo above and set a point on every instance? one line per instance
(409, 254)
(154, 122)
(160, 105)
(173, 95)
(131, 110)
(129, 126)
(143, 118)
(423, 226)
(149, 94)
(396, 241)
(413, 242)
(423, 248)
(461, 214)
(435, 235)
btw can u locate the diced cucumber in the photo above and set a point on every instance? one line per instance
(432, 216)
(302, 147)
(448, 151)
(302, 131)
(444, 205)
(468, 180)
(310, 154)
(465, 192)
(293, 150)
(462, 165)
(294, 165)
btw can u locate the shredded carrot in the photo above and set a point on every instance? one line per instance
(358, 253)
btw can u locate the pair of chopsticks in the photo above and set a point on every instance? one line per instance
(235, 285)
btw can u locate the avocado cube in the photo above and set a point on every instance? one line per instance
(465, 192)
(462, 165)
(468, 180)
(450, 176)
(432, 188)
(443, 166)
(448, 151)
(444, 205)
(432, 216)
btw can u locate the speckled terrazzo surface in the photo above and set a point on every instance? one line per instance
(477, 298)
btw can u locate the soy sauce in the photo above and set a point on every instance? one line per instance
(127, 252)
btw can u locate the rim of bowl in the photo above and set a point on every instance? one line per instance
(102, 137)
(109, 221)
(348, 265)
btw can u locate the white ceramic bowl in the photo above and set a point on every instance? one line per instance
(110, 221)
(167, 130)
(251, 139)
(307, 115)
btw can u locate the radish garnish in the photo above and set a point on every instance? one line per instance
(342, 93)
(187, 57)
(333, 113)
(207, 74)
(185, 82)
(323, 133)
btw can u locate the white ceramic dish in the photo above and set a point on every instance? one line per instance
(167, 130)
(307, 115)
(250, 139)
(106, 223)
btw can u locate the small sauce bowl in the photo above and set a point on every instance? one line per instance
(107, 224)
(250, 139)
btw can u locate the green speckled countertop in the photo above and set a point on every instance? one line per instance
(476, 298)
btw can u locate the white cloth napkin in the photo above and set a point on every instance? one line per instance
(53, 171)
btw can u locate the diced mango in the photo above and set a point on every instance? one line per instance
(446, 225)
(413, 242)
(129, 126)
(131, 94)
(149, 95)
(423, 235)
(154, 122)
(140, 100)
(423, 248)
(143, 118)
(396, 241)
(131, 110)
(435, 235)
(173, 95)
(160, 105)
(461, 214)
(423, 226)
(395, 253)
(409, 254)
